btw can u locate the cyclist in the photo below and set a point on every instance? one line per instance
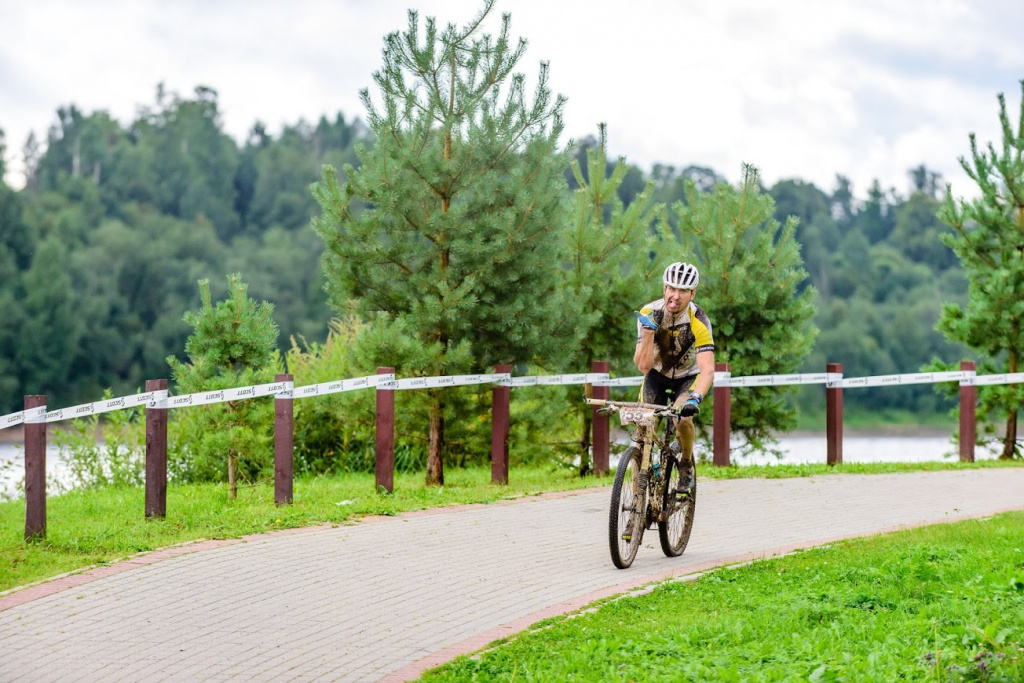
(675, 351)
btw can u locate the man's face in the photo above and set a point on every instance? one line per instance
(677, 299)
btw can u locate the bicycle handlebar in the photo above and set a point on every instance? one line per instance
(660, 410)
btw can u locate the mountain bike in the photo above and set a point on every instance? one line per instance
(651, 484)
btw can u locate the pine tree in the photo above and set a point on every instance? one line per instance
(610, 269)
(989, 241)
(450, 227)
(750, 285)
(233, 344)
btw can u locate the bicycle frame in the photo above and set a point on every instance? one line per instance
(645, 417)
(645, 490)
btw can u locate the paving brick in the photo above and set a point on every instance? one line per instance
(387, 597)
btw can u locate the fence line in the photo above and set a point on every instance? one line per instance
(157, 402)
(159, 399)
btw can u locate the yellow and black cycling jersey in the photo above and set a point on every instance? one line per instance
(678, 338)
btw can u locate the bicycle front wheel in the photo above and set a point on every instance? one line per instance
(625, 519)
(679, 498)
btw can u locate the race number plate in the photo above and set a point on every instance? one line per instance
(638, 416)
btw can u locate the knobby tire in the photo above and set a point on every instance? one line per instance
(623, 513)
(677, 522)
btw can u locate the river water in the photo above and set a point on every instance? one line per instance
(796, 450)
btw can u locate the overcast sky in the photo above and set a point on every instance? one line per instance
(799, 88)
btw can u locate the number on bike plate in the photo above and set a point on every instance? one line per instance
(639, 416)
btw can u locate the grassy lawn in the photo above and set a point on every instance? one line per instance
(941, 603)
(86, 528)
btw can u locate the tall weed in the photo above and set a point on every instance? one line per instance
(107, 452)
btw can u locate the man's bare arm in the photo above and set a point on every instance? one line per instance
(706, 365)
(644, 354)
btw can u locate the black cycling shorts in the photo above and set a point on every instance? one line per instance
(660, 390)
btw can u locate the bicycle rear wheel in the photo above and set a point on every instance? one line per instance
(625, 519)
(678, 503)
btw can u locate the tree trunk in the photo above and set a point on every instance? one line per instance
(1010, 440)
(232, 479)
(435, 452)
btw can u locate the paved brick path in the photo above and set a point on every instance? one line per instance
(387, 598)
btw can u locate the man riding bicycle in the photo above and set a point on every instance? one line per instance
(675, 351)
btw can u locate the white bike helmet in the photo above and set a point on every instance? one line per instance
(681, 276)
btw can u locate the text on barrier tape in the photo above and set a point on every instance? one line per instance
(111, 404)
(619, 381)
(725, 379)
(282, 389)
(326, 388)
(551, 380)
(444, 381)
(897, 380)
(1003, 378)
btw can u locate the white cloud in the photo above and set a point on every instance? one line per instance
(800, 88)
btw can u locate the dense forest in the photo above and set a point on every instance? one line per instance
(101, 250)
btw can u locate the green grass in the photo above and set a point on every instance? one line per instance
(941, 603)
(86, 528)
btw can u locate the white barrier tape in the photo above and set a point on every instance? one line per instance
(1003, 378)
(725, 379)
(549, 380)
(160, 399)
(282, 389)
(619, 382)
(106, 406)
(896, 380)
(446, 381)
(12, 419)
(326, 388)
(30, 416)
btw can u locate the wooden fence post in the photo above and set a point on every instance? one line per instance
(156, 454)
(35, 473)
(968, 408)
(599, 427)
(501, 398)
(284, 444)
(834, 417)
(721, 430)
(385, 464)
